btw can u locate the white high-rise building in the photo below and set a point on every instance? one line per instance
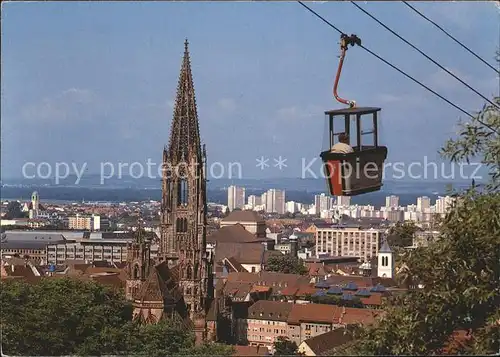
(392, 201)
(423, 203)
(292, 207)
(254, 201)
(443, 204)
(235, 197)
(263, 200)
(323, 203)
(343, 201)
(275, 201)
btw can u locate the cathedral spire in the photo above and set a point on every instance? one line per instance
(185, 134)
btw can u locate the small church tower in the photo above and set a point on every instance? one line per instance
(385, 266)
(35, 205)
(138, 263)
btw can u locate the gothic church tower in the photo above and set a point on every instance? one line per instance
(184, 204)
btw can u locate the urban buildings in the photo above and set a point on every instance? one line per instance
(84, 222)
(423, 203)
(274, 201)
(235, 197)
(343, 201)
(392, 201)
(254, 201)
(354, 241)
(323, 203)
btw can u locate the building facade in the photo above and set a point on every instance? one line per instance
(274, 201)
(354, 241)
(82, 222)
(235, 197)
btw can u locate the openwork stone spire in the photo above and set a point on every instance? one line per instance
(185, 134)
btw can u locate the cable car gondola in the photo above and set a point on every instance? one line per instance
(354, 160)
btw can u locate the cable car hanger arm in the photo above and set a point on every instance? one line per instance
(345, 41)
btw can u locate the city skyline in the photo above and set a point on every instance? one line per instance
(101, 66)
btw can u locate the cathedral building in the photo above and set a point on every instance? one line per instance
(180, 283)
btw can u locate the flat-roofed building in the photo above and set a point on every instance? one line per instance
(340, 240)
(29, 245)
(111, 247)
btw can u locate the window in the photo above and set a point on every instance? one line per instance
(181, 225)
(136, 272)
(385, 261)
(182, 195)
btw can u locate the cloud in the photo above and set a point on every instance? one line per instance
(297, 113)
(227, 105)
(464, 14)
(388, 98)
(72, 104)
(443, 80)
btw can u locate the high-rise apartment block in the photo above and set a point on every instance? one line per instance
(235, 197)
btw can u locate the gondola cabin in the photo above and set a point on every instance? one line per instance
(357, 168)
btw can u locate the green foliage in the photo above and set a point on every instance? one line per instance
(336, 300)
(74, 317)
(209, 349)
(401, 234)
(287, 264)
(14, 211)
(284, 347)
(459, 274)
(56, 316)
(477, 141)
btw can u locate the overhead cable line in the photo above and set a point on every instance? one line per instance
(424, 54)
(399, 70)
(452, 37)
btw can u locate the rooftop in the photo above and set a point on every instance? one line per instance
(243, 216)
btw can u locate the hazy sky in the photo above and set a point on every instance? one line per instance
(95, 82)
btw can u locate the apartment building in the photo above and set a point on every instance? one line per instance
(310, 320)
(113, 250)
(235, 197)
(267, 320)
(89, 223)
(354, 241)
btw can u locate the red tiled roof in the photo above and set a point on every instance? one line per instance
(352, 315)
(243, 216)
(258, 288)
(319, 313)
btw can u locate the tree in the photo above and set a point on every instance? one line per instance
(56, 316)
(63, 316)
(284, 347)
(209, 349)
(458, 273)
(287, 264)
(479, 141)
(14, 210)
(401, 234)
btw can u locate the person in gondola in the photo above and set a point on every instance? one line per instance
(342, 147)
